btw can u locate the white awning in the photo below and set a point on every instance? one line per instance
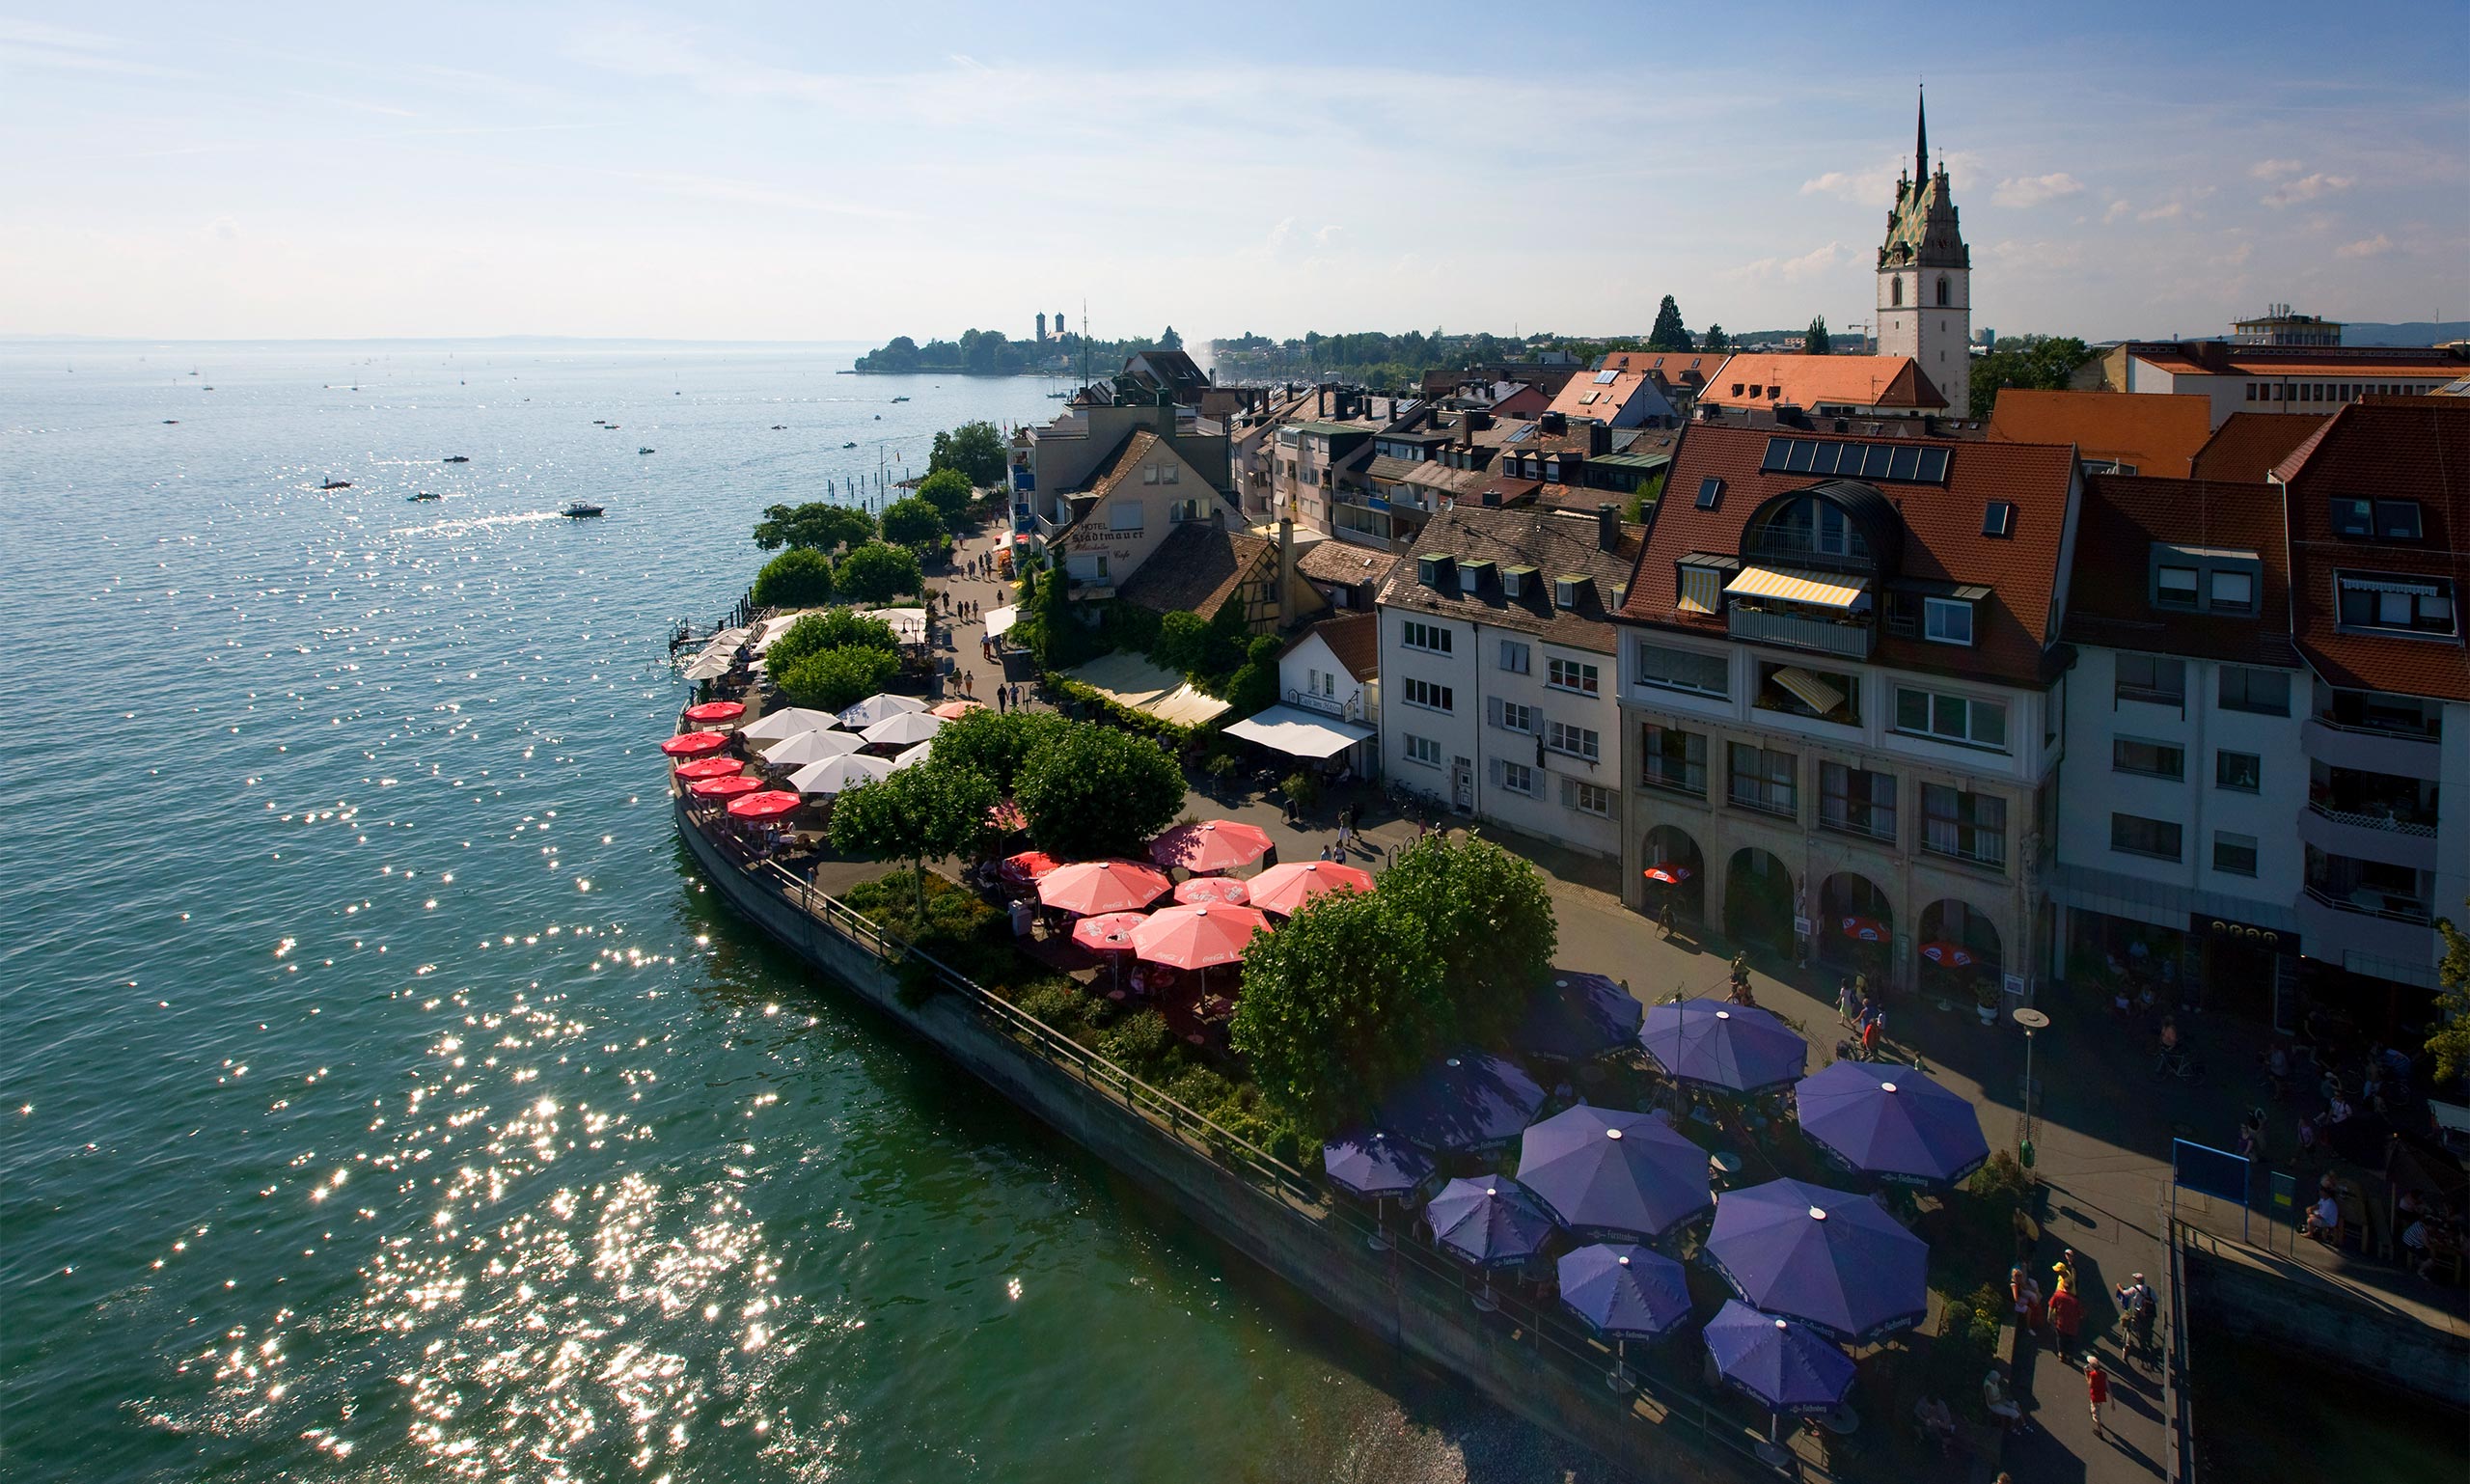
(1299, 734)
(1819, 695)
(999, 620)
(1826, 590)
(907, 625)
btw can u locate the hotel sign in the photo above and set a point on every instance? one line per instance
(2229, 931)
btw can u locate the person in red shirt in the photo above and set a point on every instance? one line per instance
(1870, 1041)
(2066, 1318)
(2096, 1393)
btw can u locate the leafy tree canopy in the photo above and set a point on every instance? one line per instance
(1817, 341)
(2033, 361)
(1669, 333)
(916, 814)
(949, 492)
(995, 744)
(1093, 791)
(816, 526)
(913, 522)
(2448, 1035)
(877, 573)
(837, 680)
(1487, 915)
(800, 577)
(1182, 644)
(975, 448)
(833, 628)
(1339, 1005)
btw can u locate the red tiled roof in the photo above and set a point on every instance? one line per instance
(2159, 436)
(1342, 564)
(2247, 446)
(2015, 628)
(1808, 381)
(2120, 518)
(1353, 639)
(2394, 451)
(1195, 570)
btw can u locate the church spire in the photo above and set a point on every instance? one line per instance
(1921, 140)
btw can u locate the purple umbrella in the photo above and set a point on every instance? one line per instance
(1491, 1223)
(1625, 1292)
(1735, 1047)
(1370, 1163)
(1892, 1122)
(1787, 1367)
(1607, 1175)
(1574, 1016)
(1831, 1259)
(1465, 1101)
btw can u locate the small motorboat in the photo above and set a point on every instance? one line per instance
(642, 451)
(600, 422)
(851, 444)
(335, 485)
(900, 399)
(879, 417)
(171, 422)
(581, 510)
(612, 427)
(778, 427)
(455, 458)
(423, 495)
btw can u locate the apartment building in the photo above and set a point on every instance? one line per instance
(1498, 666)
(1841, 693)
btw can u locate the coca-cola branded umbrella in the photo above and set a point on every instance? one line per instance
(716, 711)
(1211, 845)
(1092, 887)
(1196, 937)
(1109, 932)
(1225, 890)
(1285, 888)
(773, 805)
(1029, 865)
(709, 767)
(695, 744)
(731, 786)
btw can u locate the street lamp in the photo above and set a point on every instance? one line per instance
(2031, 1020)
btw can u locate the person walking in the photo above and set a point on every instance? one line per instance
(1844, 1001)
(2136, 1307)
(1663, 920)
(1870, 1038)
(2065, 1319)
(998, 700)
(2097, 1394)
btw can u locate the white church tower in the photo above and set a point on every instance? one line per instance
(1925, 281)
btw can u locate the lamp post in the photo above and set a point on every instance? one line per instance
(2031, 1020)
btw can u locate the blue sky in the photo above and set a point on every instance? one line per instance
(853, 171)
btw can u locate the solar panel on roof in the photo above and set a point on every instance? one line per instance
(1906, 462)
(1604, 378)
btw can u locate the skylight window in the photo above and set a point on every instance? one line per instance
(1998, 518)
(1604, 378)
(1709, 491)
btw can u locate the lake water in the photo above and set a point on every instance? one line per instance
(384, 1099)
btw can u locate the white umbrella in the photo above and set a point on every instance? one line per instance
(874, 708)
(835, 775)
(787, 721)
(710, 666)
(912, 758)
(810, 747)
(902, 730)
(724, 644)
(907, 625)
(999, 620)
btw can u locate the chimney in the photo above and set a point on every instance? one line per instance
(1474, 420)
(1607, 527)
(1165, 415)
(1286, 572)
(1599, 439)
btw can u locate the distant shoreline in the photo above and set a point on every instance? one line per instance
(955, 371)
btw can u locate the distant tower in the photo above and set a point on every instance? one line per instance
(1925, 279)
(1041, 326)
(1063, 327)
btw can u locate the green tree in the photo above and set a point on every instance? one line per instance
(997, 744)
(1253, 686)
(1171, 341)
(800, 577)
(1669, 333)
(975, 448)
(816, 526)
(2449, 1035)
(1182, 644)
(1488, 915)
(1093, 791)
(877, 573)
(914, 523)
(917, 815)
(837, 680)
(833, 628)
(2033, 361)
(949, 491)
(1817, 341)
(1059, 641)
(1714, 339)
(1339, 1006)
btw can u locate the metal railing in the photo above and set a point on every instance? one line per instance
(2180, 1425)
(1852, 640)
(1651, 1398)
(2360, 819)
(2414, 913)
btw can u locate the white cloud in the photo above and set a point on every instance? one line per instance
(2119, 210)
(2021, 191)
(2274, 169)
(2236, 258)
(1792, 270)
(2366, 247)
(2305, 188)
(2162, 214)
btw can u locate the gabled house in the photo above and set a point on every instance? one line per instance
(2159, 436)
(1825, 385)
(1615, 398)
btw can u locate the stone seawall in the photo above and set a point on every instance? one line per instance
(1383, 1293)
(2274, 1302)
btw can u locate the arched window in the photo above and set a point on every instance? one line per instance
(1942, 294)
(1894, 295)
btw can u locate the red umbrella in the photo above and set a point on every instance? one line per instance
(709, 767)
(950, 710)
(1094, 887)
(1947, 955)
(716, 711)
(729, 788)
(1006, 816)
(1865, 929)
(695, 744)
(1029, 865)
(1196, 937)
(1211, 845)
(1667, 873)
(1211, 889)
(1285, 888)
(1107, 931)
(765, 805)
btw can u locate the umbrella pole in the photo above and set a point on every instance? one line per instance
(1379, 1241)
(1484, 1303)
(1619, 1378)
(1773, 1452)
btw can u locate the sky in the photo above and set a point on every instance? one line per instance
(852, 171)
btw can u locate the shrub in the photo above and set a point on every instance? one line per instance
(837, 680)
(1138, 1040)
(800, 577)
(877, 573)
(1182, 644)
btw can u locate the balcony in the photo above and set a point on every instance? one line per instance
(1682, 777)
(1763, 801)
(2402, 751)
(2336, 926)
(2369, 834)
(2372, 902)
(1862, 822)
(1798, 631)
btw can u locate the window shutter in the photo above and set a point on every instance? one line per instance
(1494, 772)
(1492, 709)
(1569, 793)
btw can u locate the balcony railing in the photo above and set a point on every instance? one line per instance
(1864, 823)
(1674, 777)
(2368, 901)
(1990, 854)
(1750, 796)
(2375, 819)
(1854, 640)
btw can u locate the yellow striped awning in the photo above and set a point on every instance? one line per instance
(1826, 590)
(1815, 693)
